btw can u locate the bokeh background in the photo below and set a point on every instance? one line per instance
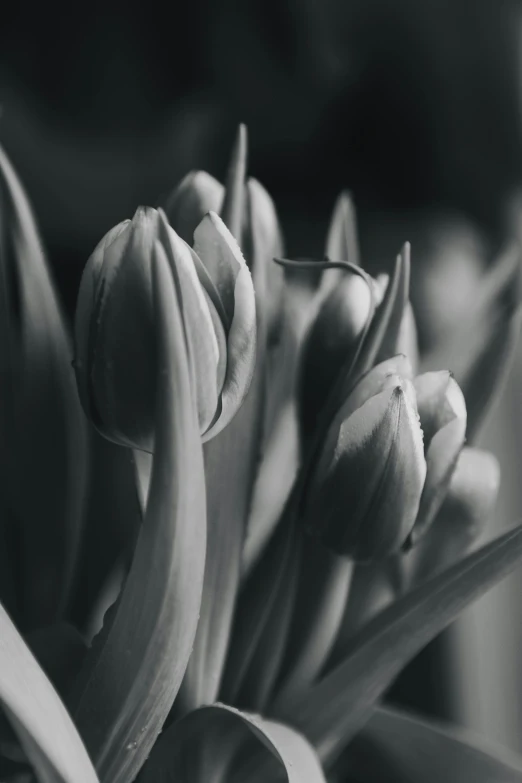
(415, 106)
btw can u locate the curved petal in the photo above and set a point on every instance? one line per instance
(196, 194)
(441, 460)
(223, 260)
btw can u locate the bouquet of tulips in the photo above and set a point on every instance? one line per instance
(237, 503)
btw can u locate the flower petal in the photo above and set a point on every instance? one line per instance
(196, 194)
(439, 401)
(221, 255)
(441, 460)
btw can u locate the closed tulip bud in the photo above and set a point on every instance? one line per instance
(114, 330)
(332, 342)
(366, 490)
(442, 412)
(196, 194)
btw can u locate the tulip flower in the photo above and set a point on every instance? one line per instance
(367, 488)
(249, 213)
(115, 358)
(202, 671)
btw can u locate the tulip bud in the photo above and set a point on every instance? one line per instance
(365, 495)
(196, 194)
(442, 412)
(332, 343)
(115, 343)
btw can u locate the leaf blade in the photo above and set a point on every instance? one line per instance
(38, 716)
(191, 750)
(331, 711)
(415, 749)
(134, 674)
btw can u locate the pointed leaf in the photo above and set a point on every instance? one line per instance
(234, 200)
(133, 673)
(262, 242)
(330, 712)
(43, 459)
(381, 341)
(279, 464)
(44, 728)
(324, 584)
(484, 380)
(200, 748)
(257, 688)
(230, 462)
(113, 519)
(256, 603)
(414, 750)
(342, 243)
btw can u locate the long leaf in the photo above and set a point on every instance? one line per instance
(234, 198)
(485, 378)
(44, 728)
(395, 746)
(134, 672)
(342, 243)
(323, 590)
(332, 711)
(256, 604)
(281, 454)
(43, 457)
(265, 665)
(380, 342)
(113, 520)
(199, 749)
(231, 462)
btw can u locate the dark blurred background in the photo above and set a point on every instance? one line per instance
(413, 106)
